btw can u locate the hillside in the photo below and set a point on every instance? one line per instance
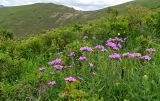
(30, 19)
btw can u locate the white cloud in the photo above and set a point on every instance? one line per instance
(77, 4)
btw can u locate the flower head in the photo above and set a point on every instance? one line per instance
(52, 83)
(150, 50)
(55, 62)
(134, 55)
(58, 67)
(115, 56)
(71, 54)
(146, 57)
(99, 47)
(86, 48)
(52, 73)
(70, 79)
(42, 69)
(91, 65)
(94, 74)
(82, 58)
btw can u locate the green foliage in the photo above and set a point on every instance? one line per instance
(125, 80)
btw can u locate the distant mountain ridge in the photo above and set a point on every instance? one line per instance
(1, 6)
(35, 18)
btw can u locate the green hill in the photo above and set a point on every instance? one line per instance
(30, 19)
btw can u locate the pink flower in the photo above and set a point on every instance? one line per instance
(150, 50)
(115, 56)
(52, 83)
(86, 48)
(58, 67)
(111, 44)
(100, 47)
(71, 54)
(82, 58)
(133, 55)
(55, 62)
(146, 57)
(42, 69)
(70, 79)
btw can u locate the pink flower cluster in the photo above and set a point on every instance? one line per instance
(134, 55)
(100, 47)
(115, 43)
(70, 79)
(55, 62)
(86, 48)
(137, 55)
(82, 58)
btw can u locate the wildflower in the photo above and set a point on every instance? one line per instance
(58, 67)
(70, 79)
(94, 73)
(146, 57)
(55, 62)
(133, 55)
(86, 48)
(65, 67)
(91, 65)
(94, 37)
(115, 56)
(85, 37)
(125, 54)
(71, 54)
(112, 45)
(42, 69)
(52, 73)
(150, 50)
(100, 47)
(52, 83)
(82, 58)
(103, 50)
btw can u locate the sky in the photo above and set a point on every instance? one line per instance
(84, 5)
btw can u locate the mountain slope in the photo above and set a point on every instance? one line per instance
(29, 19)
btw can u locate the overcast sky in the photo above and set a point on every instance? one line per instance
(77, 4)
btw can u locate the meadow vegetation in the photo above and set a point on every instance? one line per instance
(115, 58)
